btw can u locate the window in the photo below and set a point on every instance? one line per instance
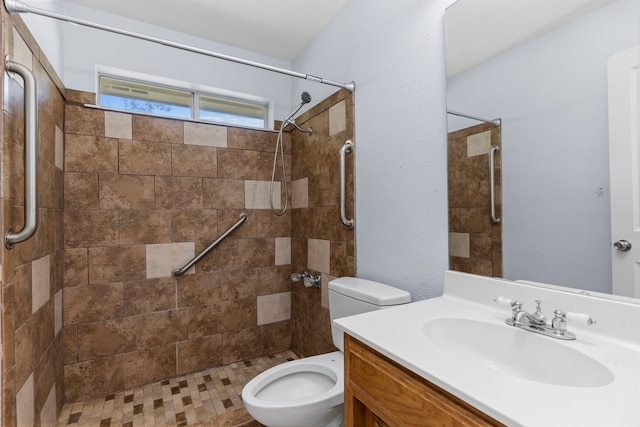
(131, 95)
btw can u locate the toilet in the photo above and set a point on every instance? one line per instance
(309, 392)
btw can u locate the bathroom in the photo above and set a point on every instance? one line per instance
(95, 237)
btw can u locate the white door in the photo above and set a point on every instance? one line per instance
(624, 164)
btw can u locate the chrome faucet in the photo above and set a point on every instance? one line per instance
(537, 322)
(308, 279)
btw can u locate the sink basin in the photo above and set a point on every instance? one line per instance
(516, 352)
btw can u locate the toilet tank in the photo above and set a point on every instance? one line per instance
(350, 295)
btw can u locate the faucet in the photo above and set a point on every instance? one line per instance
(307, 278)
(537, 322)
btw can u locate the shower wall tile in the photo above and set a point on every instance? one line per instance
(118, 125)
(161, 259)
(125, 192)
(337, 118)
(300, 193)
(223, 193)
(206, 135)
(178, 193)
(194, 225)
(149, 365)
(237, 164)
(81, 191)
(25, 404)
(144, 158)
(283, 250)
(85, 153)
(106, 338)
(245, 139)
(76, 267)
(149, 295)
(319, 255)
(200, 353)
(146, 128)
(257, 195)
(475, 243)
(161, 193)
(32, 272)
(274, 308)
(319, 241)
(59, 148)
(116, 263)
(193, 160)
(41, 279)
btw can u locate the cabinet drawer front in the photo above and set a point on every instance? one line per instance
(400, 397)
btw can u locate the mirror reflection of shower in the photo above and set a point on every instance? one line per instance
(306, 98)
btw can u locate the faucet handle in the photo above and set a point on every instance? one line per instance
(581, 318)
(506, 302)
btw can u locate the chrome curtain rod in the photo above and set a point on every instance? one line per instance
(17, 6)
(495, 122)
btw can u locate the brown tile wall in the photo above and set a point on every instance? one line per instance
(475, 243)
(141, 195)
(320, 242)
(32, 351)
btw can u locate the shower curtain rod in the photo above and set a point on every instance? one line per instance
(494, 122)
(17, 6)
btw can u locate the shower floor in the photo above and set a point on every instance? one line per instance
(211, 398)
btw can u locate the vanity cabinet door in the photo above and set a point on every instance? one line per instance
(381, 393)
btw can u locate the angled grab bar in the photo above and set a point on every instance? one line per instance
(347, 147)
(492, 183)
(30, 156)
(178, 272)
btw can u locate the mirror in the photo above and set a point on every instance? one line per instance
(541, 67)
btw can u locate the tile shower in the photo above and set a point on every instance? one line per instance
(475, 243)
(88, 305)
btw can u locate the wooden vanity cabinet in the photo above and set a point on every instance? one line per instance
(381, 393)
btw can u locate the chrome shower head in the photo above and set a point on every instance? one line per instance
(306, 98)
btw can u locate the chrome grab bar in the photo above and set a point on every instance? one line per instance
(492, 183)
(30, 155)
(347, 147)
(178, 272)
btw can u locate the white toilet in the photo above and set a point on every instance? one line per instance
(309, 392)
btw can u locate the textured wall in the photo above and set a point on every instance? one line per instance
(394, 51)
(32, 380)
(142, 196)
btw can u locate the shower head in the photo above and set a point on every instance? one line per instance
(306, 98)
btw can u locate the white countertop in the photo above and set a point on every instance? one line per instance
(397, 333)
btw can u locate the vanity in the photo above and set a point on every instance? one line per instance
(453, 361)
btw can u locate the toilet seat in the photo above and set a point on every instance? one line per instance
(319, 385)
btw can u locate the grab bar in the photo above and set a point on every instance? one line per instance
(30, 155)
(178, 272)
(492, 183)
(347, 147)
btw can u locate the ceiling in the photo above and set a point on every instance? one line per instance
(478, 30)
(277, 28)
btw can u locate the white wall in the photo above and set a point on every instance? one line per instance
(85, 48)
(48, 32)
(552, 96)
(394, 51)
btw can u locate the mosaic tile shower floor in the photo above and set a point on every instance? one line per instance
(207, 398)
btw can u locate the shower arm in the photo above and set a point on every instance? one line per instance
(17, 6)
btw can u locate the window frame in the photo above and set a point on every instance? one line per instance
(196, 91)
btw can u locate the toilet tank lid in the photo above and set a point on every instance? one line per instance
(369, 291)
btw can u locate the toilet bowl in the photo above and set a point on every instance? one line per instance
(309, 392)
